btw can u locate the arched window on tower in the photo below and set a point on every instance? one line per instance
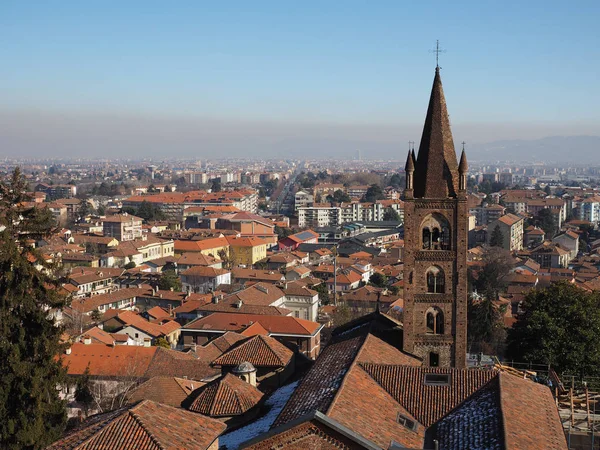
(426, 239)
(435, 280)
(436, 233)
(445, 238)
(435, 321)
(435, 239)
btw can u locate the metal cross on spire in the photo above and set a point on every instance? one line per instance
(463, 144)
(437, 52)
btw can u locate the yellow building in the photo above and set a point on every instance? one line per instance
(215, 247)
(246, 251)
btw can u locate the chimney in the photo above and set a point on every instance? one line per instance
(68, 350)
(239, 304)
(87, 340)
(215, 299)
(147, 342)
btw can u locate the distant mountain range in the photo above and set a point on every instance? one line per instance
(574, 150)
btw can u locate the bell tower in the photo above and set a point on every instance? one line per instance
(435, 237)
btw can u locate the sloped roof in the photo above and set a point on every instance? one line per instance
(139, 362)
(427, 403)
(283, 325)
(225, 397)
(260, 351)
(145, 426)
(166, 390)
(529, 431)
(479, 415)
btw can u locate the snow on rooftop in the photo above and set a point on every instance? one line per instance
(276, 402)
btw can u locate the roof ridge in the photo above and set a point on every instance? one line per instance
(502, 418)
(236, 397)
(268, 345)
(140, 422)
(352, 364)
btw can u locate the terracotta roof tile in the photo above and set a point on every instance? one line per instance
(273, 324)
(166, 390)
(146, 426)
(425, 402)
(260, 351)
(224, 397)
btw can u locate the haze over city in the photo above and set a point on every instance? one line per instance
(306, 79)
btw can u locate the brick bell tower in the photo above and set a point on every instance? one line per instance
(435, 236)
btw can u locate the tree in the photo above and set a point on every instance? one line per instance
(485, 327)
(397, 181)
(85, 209)
(497, 239)
(149, 211)
(545, 220)
(559, 327)
(391, 214)
(548, 190)
(83, 392)
(491, 279)
(339, 196)
(378, 279)
(96, 315)
(129, 265)
(32, 415)
(216, 185)
(162, 342)
(323, 293)
(282, 233)
(169, 281)
(374, 193)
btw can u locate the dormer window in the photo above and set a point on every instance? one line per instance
(437, 379)
(407, 422)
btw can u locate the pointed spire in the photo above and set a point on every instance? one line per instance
(414, 158)
(463, 167)
(410, 164)
(436, 169)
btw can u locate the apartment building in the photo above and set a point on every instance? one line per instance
(123, 227)
(319, 216)
(511, 227)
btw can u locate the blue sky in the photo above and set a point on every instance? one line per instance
(508, 64)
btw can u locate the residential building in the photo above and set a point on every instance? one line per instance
(294, 240)
(89, 281)
(246, 251)
(302, 301)
(511, 227)
(589, 209)
(319, 216)
(568, 240)
(303, 199)
(294, 332)
(202, 279)
(123, 227)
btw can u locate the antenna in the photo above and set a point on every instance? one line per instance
(437, 52)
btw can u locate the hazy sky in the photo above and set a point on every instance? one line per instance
(203, 78)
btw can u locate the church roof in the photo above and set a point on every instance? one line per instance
(436, 170)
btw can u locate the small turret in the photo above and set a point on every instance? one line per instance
(409, 168)
(463, 168)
